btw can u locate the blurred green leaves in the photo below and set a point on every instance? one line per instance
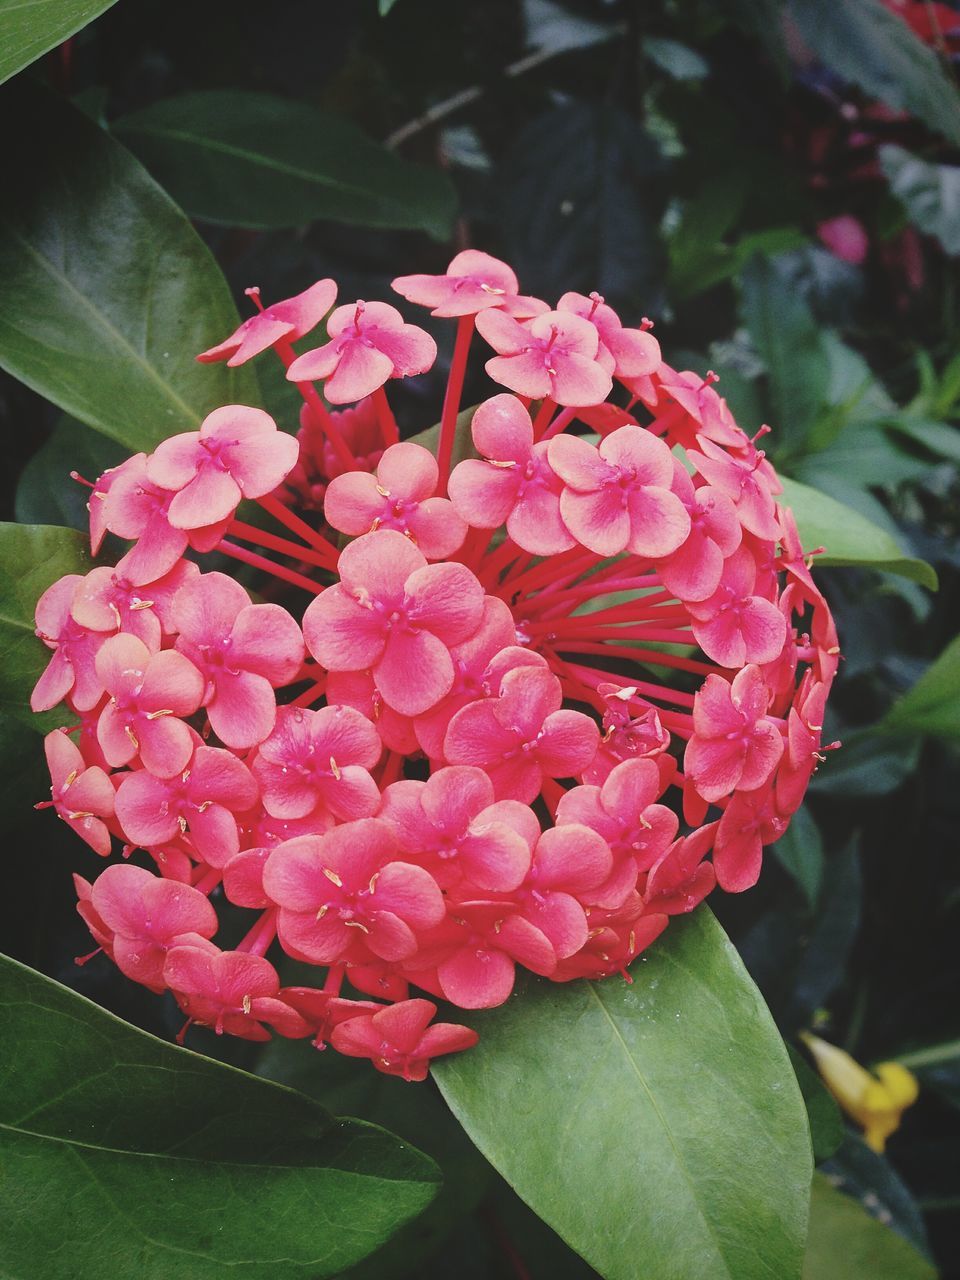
(254, 160)
(187, 1167)
(929, 192)
(933, 704)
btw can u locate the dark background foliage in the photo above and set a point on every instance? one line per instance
(689, 161)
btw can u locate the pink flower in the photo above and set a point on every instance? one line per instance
(400, 497)
(628, 353)
(290, 319)
(369, 343)
(71, 670)
(230, 991)
(147, 916)
(82, 796)
(398, 1040)
(237, 453)
(147, 694)
(680, 879)
(734, 745)
(570, 864)
(693, 571)
(346, 893)
(396, 616)
(324, 1011)
(473, 282)
(522, 735)
(513, 484)
(733, 626)
(106, 601)
(749, 822)
(451, 826)
(319, 760)
(554, 354)
(628, 737)
(625, 813)
(201, 802)
(357, 689)
(746, 480)
(134, 507)
(617, 497)
(244, 651)
(803, 754)
(845, 236)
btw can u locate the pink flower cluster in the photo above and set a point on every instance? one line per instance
(535, 704)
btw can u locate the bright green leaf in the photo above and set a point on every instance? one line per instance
(135, 1160)
(933, 704)
(930, 193)
(862, 41)
(109, 292)
(658, 1121)
(253, 160)
(30, 28)
(847, 1244)
(31, 558)
(849, 538)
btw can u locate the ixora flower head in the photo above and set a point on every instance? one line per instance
(454, 721)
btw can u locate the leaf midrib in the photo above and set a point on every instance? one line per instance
(105, 324)
(255, 158)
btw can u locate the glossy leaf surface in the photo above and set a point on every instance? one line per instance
(109, 293)
(658, 1120)
(190, 1169)
(27, 31)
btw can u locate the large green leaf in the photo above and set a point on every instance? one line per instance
(126, 1157)
(930, 193)
(109, 293)
(658, 1126)
(847, 1244)
(29, 28)
(788, 341)
(933, 704)
(31, 558)
(45, 492)
(849, 538)
(870, 46)
(253, 160)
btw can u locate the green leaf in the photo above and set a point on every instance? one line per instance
(930, 193)
(847, 1244)
(788, 341)
(253, 160)
(45, 492)
(126, 1157)
(933, 704)
(462, 439)
(658, 1121)
(849, 538)
(823, 1114)
(31, 558)
(862, 41)
(29, 30)
(800, 852)
(109, 293)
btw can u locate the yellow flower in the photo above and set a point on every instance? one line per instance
(876, 1100)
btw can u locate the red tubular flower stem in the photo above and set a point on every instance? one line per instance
(451, 400)
(283, 515)
(392, 769)
(631, 611)
(592, 677)
(568, 598)
(653, 656)
(209, 881)
(554, 571)
(542, 420)
(659, 635)
(552, 793)
(310, 695)
(321, 414)
(268, 566)
(388, 423)
(560, 423)
(258, 941)
(334, 979)
(248, 533)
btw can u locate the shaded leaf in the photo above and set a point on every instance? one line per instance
(858, 1171)
(673, 1079)
(254, 160)
(187, 1167)
(581, 203)
(862, 41)
(847, 1244)
(849, 538)
(930, 193)
(31, 558)
(933, 704)
(836, 926)
(45, 492)
(27, 31)
(800, 852)
(823, 1114)
(109, 292)
(868, 765)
